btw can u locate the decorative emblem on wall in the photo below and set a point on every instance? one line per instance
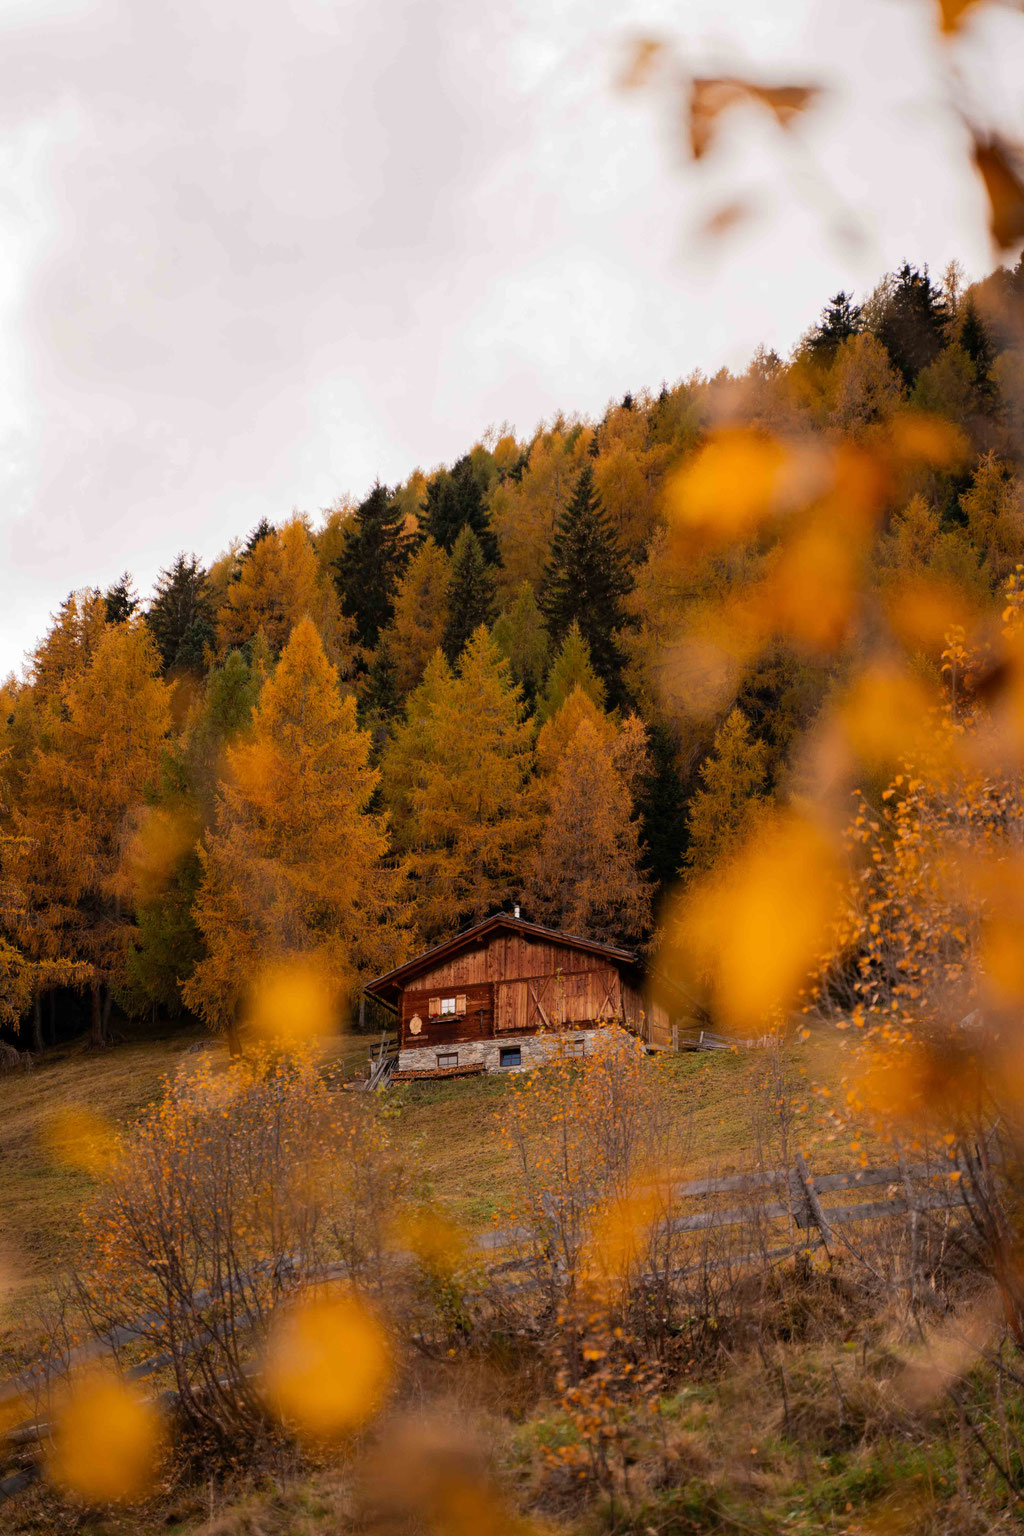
(415, 1024)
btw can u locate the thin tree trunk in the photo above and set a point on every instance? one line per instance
(37, 1024)
(96, 1036)
(53, 1017)
(233, 1032)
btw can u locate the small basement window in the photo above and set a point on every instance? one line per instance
(576, 1047)
(511, 1056)
(447, 1006)
(447, 1059)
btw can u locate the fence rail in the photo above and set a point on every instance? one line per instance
(796, 1193)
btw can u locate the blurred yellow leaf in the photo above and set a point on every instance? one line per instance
(107, 1442)
(619, 1231)
(999, 168)
(814, 591)
(642, 54)
(436, 1240)
(80, 1139)
(160, 843)
(710, 97)
(917, 437)
(725, 218)
(739, 480)
(888, 715)
(753, 930)
(951, 14)
(293, 1001)
(327, 1366)
(921, 610)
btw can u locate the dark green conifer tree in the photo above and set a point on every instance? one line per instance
(262, 531)
(180, 615)
(913, 322)
(470, 594)
(121, 599)
(381, 696)
(661, 804)
(585, 580)
(455, 500)
(375, 554)
(840, 319)
(975, 341)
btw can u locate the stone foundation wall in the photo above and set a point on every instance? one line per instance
(534, 1050)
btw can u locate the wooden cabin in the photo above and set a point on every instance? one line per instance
(506, 993)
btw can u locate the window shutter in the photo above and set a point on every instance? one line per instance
(435, 1007)
(460, 1004)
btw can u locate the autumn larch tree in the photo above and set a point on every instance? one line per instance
(403, 764)
(88, 781)
(570, 669)
(470, 594)
(297, 864)
(462, 764)
(521, 638)
(279, 583)
(585, 580)
(587, 874)
(180, 615)
(421, 614)
(376, 551)
(167, 945)
(69, 644)
(732, 787)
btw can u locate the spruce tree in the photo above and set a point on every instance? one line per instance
(470, 594)
(180, 615)
(661, 803)
(586, 579)
(840, 319)
(455, 500)
(121, 599)
(380, 699)
(264, 528)
(913, 321)
(374, 555)
(976, 342)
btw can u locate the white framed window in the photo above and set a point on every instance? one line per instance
(447, 1059)
(448, 1006)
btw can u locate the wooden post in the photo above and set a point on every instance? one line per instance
(362, 1011)
(814, 1204)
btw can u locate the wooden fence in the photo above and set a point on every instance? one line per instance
(795, 1194)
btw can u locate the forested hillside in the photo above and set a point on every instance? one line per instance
(518, 677)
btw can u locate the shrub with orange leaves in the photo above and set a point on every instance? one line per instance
(233, 1195)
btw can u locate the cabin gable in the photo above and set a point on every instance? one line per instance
(492, 995)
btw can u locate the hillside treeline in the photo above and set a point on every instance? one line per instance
(501, 681)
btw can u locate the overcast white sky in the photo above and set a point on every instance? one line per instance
(255, 255)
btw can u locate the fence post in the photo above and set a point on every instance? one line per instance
(820, 1219)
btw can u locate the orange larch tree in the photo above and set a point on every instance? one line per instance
(297, 866)
(93, 765)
